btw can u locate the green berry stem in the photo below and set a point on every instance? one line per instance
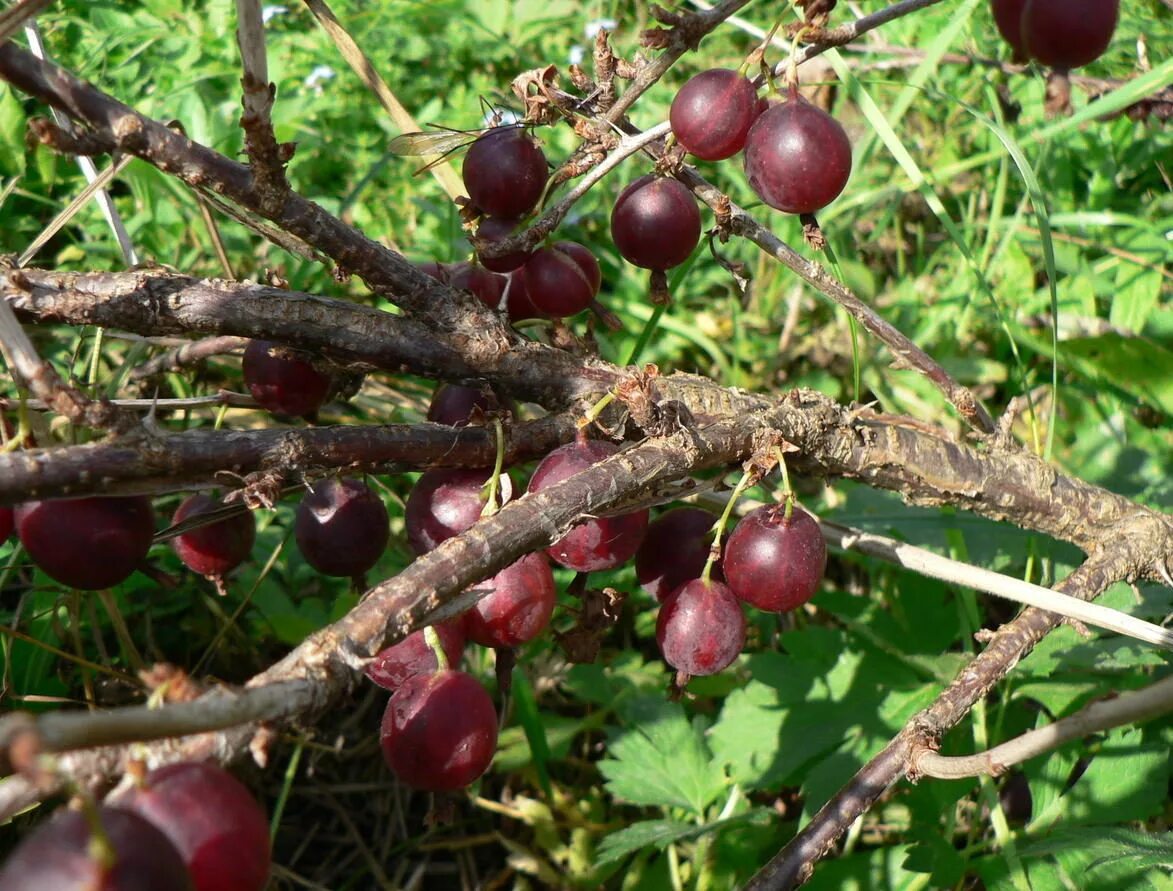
(493, 485)
(99, 846)
(433, 641)
(747, 479)
(787, 491)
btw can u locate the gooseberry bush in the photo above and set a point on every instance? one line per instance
(573, 452)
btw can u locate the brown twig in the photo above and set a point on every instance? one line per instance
(267, 159)
(793, 865)
(1132, 707)
(192, 353)
(202, 458)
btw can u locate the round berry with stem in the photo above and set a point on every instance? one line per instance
(675, 550)
(215, 823)
(775, 557)
(712, 113)
(282, 380)
(1008, 19)
(101, 849)
(414, 655)
(492, 229)
(518, 302)
(1067, 34)
(87, 543)
(562, 280)
(519, 608)
(439, 731)
(596, 544)
(487, 286)
(341, 528)
(218, 548)
(505, 172)
(797, 157)
(655, 223)
(454, 405)
(446, 501)
(700, 628)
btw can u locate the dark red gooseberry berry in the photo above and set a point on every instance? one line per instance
(701, 628)
(519, 608)
(497, 229)
(1008, 18)
(602, 543)
(87, 543)
(557, 284)
(518, 302)
(675, 551)
(216, 549)
(412, 655)
(57, 856)
(797, 157)
(655, 223)
(582, 255)
(487, 286)
(6, 523)
(283, 381)
(219, 829)
(341, 527)
(775, 563)
(712, 113)
(454, 405)
(505, 172)
(439, 731)
(445, 502)
(1068, 33)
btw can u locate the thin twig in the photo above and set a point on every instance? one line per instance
(1132, 707)
(188, 354)
(794, 864)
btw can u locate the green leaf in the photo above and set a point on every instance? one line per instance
(1137, 365)
(1128, 779)
(660, 759)
(1107, 847)
(662, 833)
(526, 709)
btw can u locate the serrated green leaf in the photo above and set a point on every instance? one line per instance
(661, 833)
(661, 759)
(1128, 779)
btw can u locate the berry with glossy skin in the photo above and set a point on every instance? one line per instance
(57, 857)
(774, 563)
(518, 302)
(497, 229)
(6, 523)
(713, 112)
(453, 404)
(341, 527)
(283, 381)
(655, 223)
(560, 283)
(439, 731)
(675, 551)
(505, 172)
(487, 286)
(219, 829)
(87, 543)
(519, 608)
(701, 628)
(217, 549)
(602, 543)
(446, 501)
(412, 655)
(797, 157)
(586, 260)
(1008, 18)
(1068, 33)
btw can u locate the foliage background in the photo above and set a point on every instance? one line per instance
(936, 229)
